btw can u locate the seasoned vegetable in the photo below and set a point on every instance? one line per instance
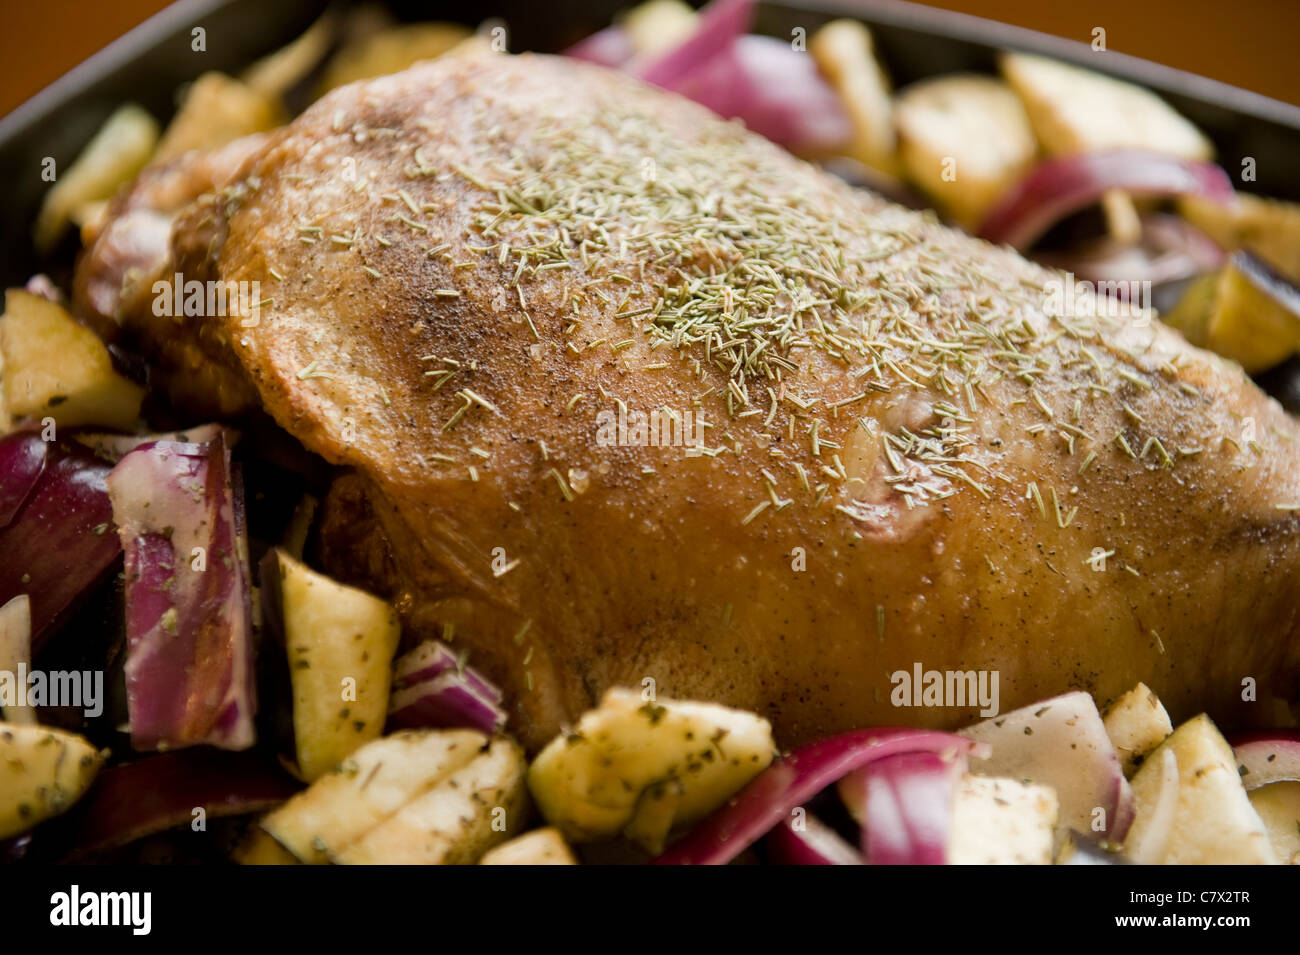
(964, 139)
(905, 807)
(367, 788)
(1002, 822)
(1269, 228)
(54, 367)
(462, 816)
(216, 110)
(1256, 316)
(432, 688)
(1061, 743)
(540, 847)
(809, 841)
(1213, 820)
(1278, 807)
(189, 667)
(161, 791)
(59, 542)
(1155, 805)
(43, 771)
(1136, 724)
(340, 643)
(794, 779)
(119, 150)
(843, 51)
(641, 768)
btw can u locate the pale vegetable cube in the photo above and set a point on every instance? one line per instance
(845, 54)
(121, 148)
(372, 784)
(1001, 822)
(539, 847)
(479, 806)
(218, 109)
(57, 368)
(1136, 723)
(964, 139)
(340, 643)
(43, 771)
(1278, 805)
(1214, 823)
(1074, 110)
(641, 768)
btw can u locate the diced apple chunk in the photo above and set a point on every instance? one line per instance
(539, 847)
(1136, 723)
(43, 771)
(1002, 822)
(641, 768)
(372, 784)
(55, 367)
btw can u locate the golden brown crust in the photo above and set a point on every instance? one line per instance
(782, 568)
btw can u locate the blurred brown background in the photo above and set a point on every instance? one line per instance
(1249, 44)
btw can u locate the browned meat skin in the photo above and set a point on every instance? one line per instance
(113, 291)
(915, 467)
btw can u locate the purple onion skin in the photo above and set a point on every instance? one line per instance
(22, 462)
(59, 542)
(159, 792)
(189, 630)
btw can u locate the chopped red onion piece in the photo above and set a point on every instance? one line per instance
(1264, 758)
(59, 543)
(432, 688)
(1058, 187)
(809, 841)
(793, 780)
(189, 667)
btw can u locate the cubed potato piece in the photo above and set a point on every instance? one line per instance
(845, 54)
(121, 148)
(1278, 805)
(57, 368)
(1214, 823)
(1254, 322)
(1001, 822)
(340, 643)
(464, 815)
(964, 139)
(540, 847)
(1136, 723)
(1155, 808)
(390, 51)
(1073, 110)
(43, 771)
(659, 25)
(218, 109)
(372, 784)
(641, 768)
(1268, 227)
